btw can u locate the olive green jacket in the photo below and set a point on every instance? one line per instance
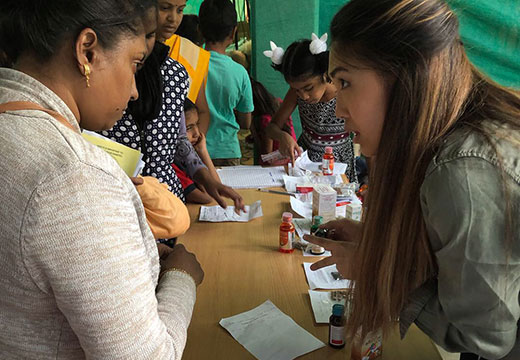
(473, 303)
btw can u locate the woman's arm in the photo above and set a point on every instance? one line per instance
(100, 271)
(473, 304)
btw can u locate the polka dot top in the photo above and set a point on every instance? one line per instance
(159, 139)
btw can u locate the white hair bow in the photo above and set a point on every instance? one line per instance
(275, 54)
(318, 45)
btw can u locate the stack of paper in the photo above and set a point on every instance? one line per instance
(251, 177)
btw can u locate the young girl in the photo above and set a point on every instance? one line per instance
(304, 66)
(439, 245)
(266, 106)
(192, 192)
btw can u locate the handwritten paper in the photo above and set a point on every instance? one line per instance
(218, 214)
(251, 177)
(323, 279)
(269, 334)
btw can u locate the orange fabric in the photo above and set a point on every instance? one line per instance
(166, 214)
(27, 105)
(194, 58)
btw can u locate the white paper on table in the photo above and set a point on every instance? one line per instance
(301, 208)
(218, 214)
(269, 334)
(251, 177)
(322, 278)
(303, 162)
(302, 226)
(321, 302)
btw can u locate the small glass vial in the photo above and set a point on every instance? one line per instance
(318, 220)
(327, 165)
(337, 327)
(286, 233)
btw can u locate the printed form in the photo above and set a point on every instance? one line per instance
(218, 214)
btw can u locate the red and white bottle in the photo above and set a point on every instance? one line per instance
(327, 164)
(286, 233)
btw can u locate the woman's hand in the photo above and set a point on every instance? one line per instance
(137, 180)
(289, 147)
(345, 235)
(180, 258)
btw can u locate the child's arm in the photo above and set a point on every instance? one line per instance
(288, 146)
(203, 110)
(264, 143)
(198, 196)
(243, 119)
(202, 151)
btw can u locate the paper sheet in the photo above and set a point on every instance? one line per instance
(301, 208)
(269, 334)
(303, 227)
(251, 177)
(218, 214)
(322, 303)
(303, 162)
(323, 279)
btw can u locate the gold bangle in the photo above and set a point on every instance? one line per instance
(175, 269)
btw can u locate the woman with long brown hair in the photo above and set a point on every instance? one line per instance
(439, 242)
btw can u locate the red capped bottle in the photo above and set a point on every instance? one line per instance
(286, 233)
(327, 165)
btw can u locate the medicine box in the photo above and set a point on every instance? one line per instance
(324, 202)
(353, 211)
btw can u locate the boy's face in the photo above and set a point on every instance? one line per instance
(192, 126)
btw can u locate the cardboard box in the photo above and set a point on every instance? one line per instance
(324, 202)
(354, 211)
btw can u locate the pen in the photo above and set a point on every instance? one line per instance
(275, 192)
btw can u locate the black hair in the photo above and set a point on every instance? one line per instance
(189, 29)
(149, 83)
(217, 19)
(299, 63)
(263, 101)
(189, 106)
(41, 26)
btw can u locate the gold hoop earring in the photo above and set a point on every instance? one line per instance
(86, 68)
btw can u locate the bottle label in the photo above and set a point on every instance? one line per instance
(327, 166)
(286, 239)
(337, 335)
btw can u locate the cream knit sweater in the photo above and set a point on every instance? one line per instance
(78, 263)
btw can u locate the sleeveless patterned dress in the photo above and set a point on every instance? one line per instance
(322, 128)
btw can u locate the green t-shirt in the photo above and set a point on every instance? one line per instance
(228, 88)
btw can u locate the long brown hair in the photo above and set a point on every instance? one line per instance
(436, 90)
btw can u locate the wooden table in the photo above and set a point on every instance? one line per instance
(243, 268)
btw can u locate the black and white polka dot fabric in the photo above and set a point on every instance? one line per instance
(158, 139)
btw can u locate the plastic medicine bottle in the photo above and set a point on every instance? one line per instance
(286, 233)
(327, 165)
